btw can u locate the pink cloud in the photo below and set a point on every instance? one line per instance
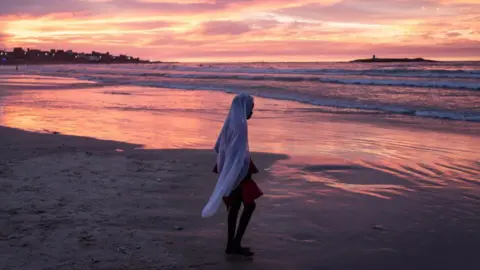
(246, 29)
(374, 11)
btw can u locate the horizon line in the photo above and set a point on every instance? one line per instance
(440, 59)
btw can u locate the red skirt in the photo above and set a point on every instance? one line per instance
(250, 190)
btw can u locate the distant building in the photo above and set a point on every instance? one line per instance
(93, 58)
(373, 57)
(19, 52)
(33, 52)
(122, 57)
(81, 56)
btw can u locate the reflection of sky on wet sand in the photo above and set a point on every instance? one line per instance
(160, 118)
(18, 84)
(338, 174)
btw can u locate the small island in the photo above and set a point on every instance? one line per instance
(19, 56)
(374, 59)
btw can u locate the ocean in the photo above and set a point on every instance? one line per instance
(447, 90)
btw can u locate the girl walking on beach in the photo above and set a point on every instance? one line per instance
(235, 167)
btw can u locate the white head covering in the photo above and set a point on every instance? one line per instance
(232, 151)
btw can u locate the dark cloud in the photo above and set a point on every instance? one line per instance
(265, 24)
(169, 8)
(453, 34)
(144, 25)
(225, 28)
(42, 7)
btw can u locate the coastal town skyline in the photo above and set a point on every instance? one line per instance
(247, 30)
(19, 56)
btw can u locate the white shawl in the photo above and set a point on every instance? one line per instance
(232, 151)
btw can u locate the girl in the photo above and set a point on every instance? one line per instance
(235, 185)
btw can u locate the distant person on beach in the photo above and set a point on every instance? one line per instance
(235, 167)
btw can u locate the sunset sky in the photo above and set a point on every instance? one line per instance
(247, 30)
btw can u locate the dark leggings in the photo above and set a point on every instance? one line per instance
(235, 203)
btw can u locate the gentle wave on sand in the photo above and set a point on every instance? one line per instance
(446, 90)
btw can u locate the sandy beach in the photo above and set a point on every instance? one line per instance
(80, 203)
(117, 179)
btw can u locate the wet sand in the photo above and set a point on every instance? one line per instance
(81, 203)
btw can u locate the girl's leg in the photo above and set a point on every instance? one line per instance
(244, 220)
(236, 201)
